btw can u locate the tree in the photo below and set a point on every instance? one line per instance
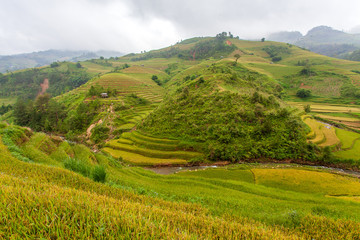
(303, 93)
(237, 56)
(263, 39)
(307, 108)
(78, 65)
(156, 79)
(54, 64)
(22, 112)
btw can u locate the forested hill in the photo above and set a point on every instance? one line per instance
(10, 63)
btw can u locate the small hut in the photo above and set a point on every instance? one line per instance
(104, 95)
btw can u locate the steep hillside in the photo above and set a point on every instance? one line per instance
(54, 189)
(327, 78)
(233, 112)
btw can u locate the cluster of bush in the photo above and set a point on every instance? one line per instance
(275, 52)
(46, 114)
(214, 47)
(4, 109)
(97, 173)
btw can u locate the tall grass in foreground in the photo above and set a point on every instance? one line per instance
(39, 201)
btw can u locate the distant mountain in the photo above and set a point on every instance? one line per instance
(355, 30)
(42, 58)
(323, 40)
(287, 37)
(328, 35)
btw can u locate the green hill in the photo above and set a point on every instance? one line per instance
(230, 110)
(225, 107)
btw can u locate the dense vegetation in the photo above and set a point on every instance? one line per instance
(27, 84)
(276, 52)
(213, 47)
(354, 56)
(230, 126)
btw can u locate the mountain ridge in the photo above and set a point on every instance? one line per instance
(43, 58)
(323, 40)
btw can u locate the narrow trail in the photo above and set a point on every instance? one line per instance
(88, 131)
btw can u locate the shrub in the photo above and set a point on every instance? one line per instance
(303, 93)
(77, 166)
(99, 174)
(100, 133)
(156, 80)
(276, 59)
(54, 64)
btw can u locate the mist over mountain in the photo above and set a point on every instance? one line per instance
(323, 40)
(285, 36)
(42, 58)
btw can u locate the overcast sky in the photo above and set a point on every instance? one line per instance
(136, 25)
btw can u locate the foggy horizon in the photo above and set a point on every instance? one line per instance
(133, 26)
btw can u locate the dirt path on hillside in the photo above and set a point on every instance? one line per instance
(88, 131)
(111, 109)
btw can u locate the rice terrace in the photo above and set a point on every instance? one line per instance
(208, 138)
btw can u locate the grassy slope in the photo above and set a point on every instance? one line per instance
(233, 207)
(325, 87)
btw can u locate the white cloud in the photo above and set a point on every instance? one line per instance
(135, 25)
(80, 25)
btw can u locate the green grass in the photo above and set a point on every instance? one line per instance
(352, 153)
(7, 101)
(38, 156)
(347, 138)
(82, 153)
(224, 174)
(212, 200)
(306, 181)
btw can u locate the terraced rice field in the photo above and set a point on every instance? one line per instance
(237, 202)
(324, 108)
(322, 134)
(299, 179)
(127, 119)
(124, 84)
(137, 148)
(303, 180)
